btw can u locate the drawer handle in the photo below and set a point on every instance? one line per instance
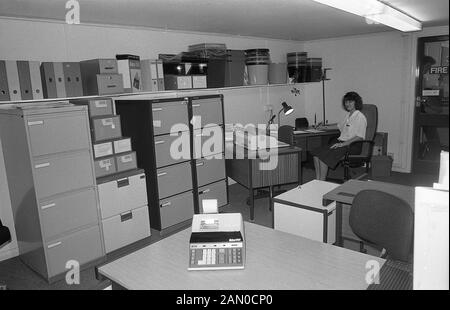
(166, 204)
(159, 142)
(111, 86)
(42, 165)
(109, 68)
(126, 216)
(35, 123)
(205, 191)
(161, 174)
(54, 245)
(123, 182)
(200, 164)
(51, 205)
(157, 109)
(195, 105)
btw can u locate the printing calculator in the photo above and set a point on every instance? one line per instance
(217, 242)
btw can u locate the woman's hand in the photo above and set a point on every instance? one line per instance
(337, 145)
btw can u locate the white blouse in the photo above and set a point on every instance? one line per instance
(353, 126)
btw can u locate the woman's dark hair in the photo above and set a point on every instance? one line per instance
(353, 96)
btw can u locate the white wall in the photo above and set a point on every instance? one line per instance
(380, 67)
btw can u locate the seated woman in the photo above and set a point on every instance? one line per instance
(352, 129)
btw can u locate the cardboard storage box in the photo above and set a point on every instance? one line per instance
(103, 149)
(126, 161)
(381, 166)
(97, 107)
(105, 128)
(122, 145)
(104, 166)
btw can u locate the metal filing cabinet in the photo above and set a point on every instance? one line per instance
(172, 186)
(50, 171)
(124, 210)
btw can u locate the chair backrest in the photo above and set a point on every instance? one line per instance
(370, 111)
(384, 220)
(286, 134)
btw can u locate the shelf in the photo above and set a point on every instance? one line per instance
(160, 94)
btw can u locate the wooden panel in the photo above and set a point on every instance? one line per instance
(285, 171)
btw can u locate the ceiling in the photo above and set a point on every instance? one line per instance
(299, 20)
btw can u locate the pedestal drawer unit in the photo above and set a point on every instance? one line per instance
(50, 171)
(124, 210)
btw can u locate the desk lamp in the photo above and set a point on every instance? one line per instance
(287, 109)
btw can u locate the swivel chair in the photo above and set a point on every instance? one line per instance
(384, 221)
(5, 235)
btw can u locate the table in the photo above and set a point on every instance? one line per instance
(345, 194)
(300, 211)
(244, 167)
(274, 260)
(308, 141)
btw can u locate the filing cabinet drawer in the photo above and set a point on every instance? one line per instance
(174, 179)
(61, 174)
(210, 170)
(167, 114)
(105, 166)
(210, 111)
(176, 209)
(163, 153)
(83, 246)
(208, 141)
(126, 228)
(68, 212)
(118, 196)
(50, 134)
(105, 128)
(216, 190)
(126, 161)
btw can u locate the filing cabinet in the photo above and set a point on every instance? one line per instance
(162, 131)
(124, 209)
(54, 197)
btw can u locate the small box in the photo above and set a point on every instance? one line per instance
(97, 107)
(99, 66)
(130, 67)
(104, 166)
(103, 84)
(103, 149)
(174, 82)
(122, 145)
(381, 166)
(106, 128)
(126, 162)
(199, 81)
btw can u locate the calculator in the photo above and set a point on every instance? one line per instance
(215, 257)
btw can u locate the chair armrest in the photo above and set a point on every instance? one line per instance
(367, 157)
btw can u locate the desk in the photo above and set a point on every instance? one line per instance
(244, 167)
(309, 141)
(345, 194)
(274, 260)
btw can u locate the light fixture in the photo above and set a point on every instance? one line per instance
(287, 109)
(376, 11)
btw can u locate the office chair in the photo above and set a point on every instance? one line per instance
(352, 160)
(385, 221)
(286, 134)
(5, 235)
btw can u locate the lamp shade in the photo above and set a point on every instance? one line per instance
(287, 109)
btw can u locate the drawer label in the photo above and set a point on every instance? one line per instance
(126, 158)
(157, 124)
(108, 122)
(101, 103)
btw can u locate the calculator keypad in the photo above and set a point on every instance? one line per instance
(217, 257)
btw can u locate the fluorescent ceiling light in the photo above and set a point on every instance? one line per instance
(376, 11)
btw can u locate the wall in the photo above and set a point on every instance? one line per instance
(57, 41)
(381, 68)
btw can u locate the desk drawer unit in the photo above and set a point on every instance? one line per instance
(56, 175)
(163, 152)
(216, 190)
(174, 179)
(169, 113)
(52, 134)
(68, 212)
(126, 228)
(83, 246)
(176, 209)
(119, 195)
(210, 170)
(106, 128)
(209, 109)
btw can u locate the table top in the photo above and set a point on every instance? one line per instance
(309, 194)
(274, 260)
(346, 192)
(320, 131)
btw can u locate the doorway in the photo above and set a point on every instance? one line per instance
(431, 109)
